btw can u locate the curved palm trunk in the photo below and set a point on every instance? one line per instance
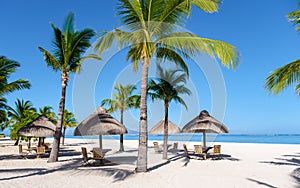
(121, 135)
(63, 135)
(143, 134)
(165, 152)
(56, 141)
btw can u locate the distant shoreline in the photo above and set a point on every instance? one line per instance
(211, 138)
(226, 138)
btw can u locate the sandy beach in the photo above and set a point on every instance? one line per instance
(242, 165)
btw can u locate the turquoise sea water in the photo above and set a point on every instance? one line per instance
(235, 138)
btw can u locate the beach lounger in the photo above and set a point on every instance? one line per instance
(84, 154)
(216, 152)
(156, 147)
(199, 151)
(47, 145)
(23, 152)
(175, 148)
(186, 151)
(40, 150)
(98, 155)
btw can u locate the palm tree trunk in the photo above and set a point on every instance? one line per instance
(143, 134)
(121, 135)
(56, 141)
(165, 152)
(64, 134)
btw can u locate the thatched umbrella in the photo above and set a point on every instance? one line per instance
(40, 127)
(206, 124)
(159, 128)
(99, 123)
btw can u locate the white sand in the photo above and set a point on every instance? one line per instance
(243, 165)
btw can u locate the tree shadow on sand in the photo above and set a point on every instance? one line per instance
(74, 166)
(193, 156)
(283, 161)
(261, 183)
(288, 160)
(296, 175)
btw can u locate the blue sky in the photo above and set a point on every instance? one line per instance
(259, 29)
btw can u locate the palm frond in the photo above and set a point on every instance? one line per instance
(76, 66)
(207, 5)
(59, 45)
(50, 60)
(133, 101)
(192, 44)
(80, 42)
(297, 88)
(174, 11)
(163, 54)
(181, 101)
(7, 67)
(171, 83)
(134, 54)
(106, 102)
(294, 17)
(68, 26)
(283, 77)
(132, 13)
(104, 41)
(183, 90)
(16, 85)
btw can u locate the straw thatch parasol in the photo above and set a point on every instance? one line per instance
(40, 127)
(159, 128)
(206, 124)
(99, 123)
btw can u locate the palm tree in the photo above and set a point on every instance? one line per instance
(69, 45)
(151, 32)
(289, 74)
(123, 100)
(48, 112)
(168, 88)
(69, 121)
(8, 67)
(23, 113)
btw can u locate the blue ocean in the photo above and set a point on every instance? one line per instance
(234, 138)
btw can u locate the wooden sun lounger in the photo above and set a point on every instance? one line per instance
(216, 152)
(186, 151)
(23, 152)
(156, 147)
(175, 148)
(199, 151)
(98, 155)
(40, 150)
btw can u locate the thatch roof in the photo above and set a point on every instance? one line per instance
(40, 127)
(99, 123)
(205, 122)
(159, 128)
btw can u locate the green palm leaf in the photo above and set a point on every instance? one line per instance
(207, 5)
(283, 77)
(191, 44)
